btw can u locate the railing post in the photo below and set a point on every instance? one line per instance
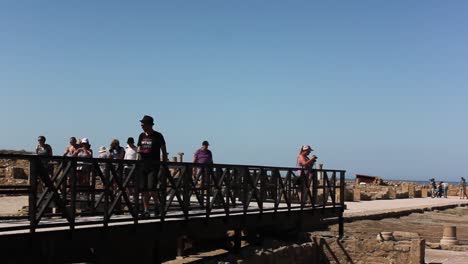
(342, 200)
(186, 177)
(106, 184)
(314, 189)
(276, 176)
(324, 189)
(72, 195)
(136, 191)
(33, 172)
(162, 192)
(208, 176)
(245, 187)
(262, 189)
(289, 191)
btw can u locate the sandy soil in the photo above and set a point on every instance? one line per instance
(10, 205)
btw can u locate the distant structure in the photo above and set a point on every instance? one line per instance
(368, 179)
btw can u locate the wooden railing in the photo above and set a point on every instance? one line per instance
(94, 191)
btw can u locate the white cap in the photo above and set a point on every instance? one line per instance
(306, 147)
(84, 141)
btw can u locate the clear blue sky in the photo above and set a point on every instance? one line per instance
(376, 87)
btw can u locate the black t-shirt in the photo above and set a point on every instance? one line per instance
(150, 146)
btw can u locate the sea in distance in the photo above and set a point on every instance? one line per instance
(417, 182)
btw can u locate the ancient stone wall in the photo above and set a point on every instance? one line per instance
(348, 250)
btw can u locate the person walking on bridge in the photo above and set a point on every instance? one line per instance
(150, 145)
(42, 148)
(202, 156)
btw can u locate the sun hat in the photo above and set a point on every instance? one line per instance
(147, 120)
(306, 147)
(102, 149)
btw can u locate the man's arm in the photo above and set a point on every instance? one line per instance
(164, 152)
(66, 151)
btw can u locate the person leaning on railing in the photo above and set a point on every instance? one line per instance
(83, 169)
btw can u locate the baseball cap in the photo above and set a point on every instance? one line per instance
(84, 141)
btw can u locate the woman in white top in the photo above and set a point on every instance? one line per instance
(83, 169)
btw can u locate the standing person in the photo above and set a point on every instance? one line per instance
(445, 187)
(306, 163)
(462, 188)
(131, 153)
(433, 188)
(203, 155)
(71, 148)
(115, 150)
(102, 155)
(439, 190)
(42, 148)
(83, 170)
(150, 145)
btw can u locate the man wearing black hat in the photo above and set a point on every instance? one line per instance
(150, 145)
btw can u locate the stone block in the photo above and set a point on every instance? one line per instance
(424, 192)
(411, 190)
(417, 252)
(404, 248)
(417, 194)
(399, 235)
(433, 245)
(357, 195)
(402, 195)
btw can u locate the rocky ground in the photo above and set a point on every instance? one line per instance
(428, 225)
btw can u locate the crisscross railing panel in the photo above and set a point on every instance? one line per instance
(107, 191)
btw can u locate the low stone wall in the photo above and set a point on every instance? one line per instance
(12, 171)
(397, 190)
(348, 250)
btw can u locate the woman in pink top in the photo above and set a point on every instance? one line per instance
(306, 163)
(303, 160)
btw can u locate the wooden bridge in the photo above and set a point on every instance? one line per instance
(87, 209)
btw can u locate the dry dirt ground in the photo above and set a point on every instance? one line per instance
(429, 226)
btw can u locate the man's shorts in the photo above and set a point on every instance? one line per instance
(148, 176)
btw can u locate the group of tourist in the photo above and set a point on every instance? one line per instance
(440, 189)
(148, 149)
